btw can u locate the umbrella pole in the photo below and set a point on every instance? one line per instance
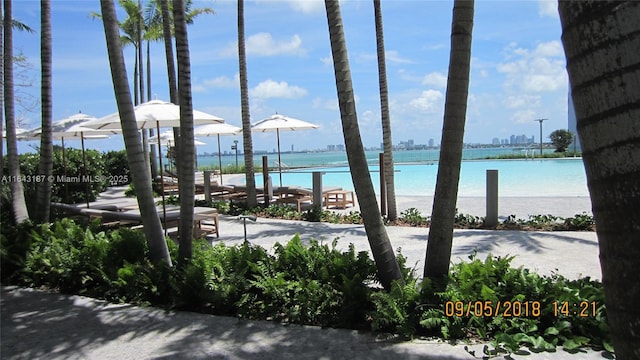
(279, 160)
(64, 172)
(84, 167)
(219, 159)
(164, 207)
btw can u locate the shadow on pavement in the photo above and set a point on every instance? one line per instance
(37, 324)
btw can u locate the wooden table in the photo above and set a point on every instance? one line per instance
(338, 198)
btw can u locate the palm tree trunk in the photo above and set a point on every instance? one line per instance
(20, 212)
(168, 51)
(139, 53)
(136, 98)
(444, 204)
(386, 262)
(246, 118)
(153, 155)
(171, 68)
(186, 187)
(389, 177)
(135, 154)
(1, 96)
(601, 46)
(45, 166)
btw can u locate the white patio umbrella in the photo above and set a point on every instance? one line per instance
(279, 123)
(217, 130)
(154, 114)
(71, 127)
(167, 139)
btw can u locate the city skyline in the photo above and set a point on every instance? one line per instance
(517, 70)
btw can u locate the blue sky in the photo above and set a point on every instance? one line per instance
(517, 71)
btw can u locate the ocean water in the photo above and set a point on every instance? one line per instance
(416, 172)
(516, 178)
(339, 158)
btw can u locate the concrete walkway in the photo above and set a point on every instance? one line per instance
(45, 325)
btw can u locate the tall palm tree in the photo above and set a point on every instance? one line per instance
(161, 24)
(21, 27)
(455, 109)
(386, 262)
(168, 47)
(132, 33)
(167, 22)
(45, 167)
(247, 143)
(135, 154)
(601, 46)
(1, 95)
(17, 191)
(392, 208)
(187, 185)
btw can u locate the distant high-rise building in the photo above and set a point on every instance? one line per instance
(331, 148)
(431, 143)
(519, 140)
(495, 141)
(340, 147)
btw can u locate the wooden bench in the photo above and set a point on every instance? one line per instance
(338, 198)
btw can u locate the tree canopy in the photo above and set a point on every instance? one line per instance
(561, 139)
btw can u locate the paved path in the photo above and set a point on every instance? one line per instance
(570, 253)
(42, 325)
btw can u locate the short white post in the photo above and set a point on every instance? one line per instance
(491, 218)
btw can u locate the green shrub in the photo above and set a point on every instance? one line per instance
(116, 167)
(313, 283)
(531, 314)
(67, 257)
(70, 184)
(580, 222)
(413, 217)
(465, 221)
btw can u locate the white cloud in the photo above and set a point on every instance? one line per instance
(552, 48)
(521, 101)
(274, 89)
(223, 82)
(394, 57)
(540, 70)
(430, 101)
(327, 61)
(524, 116)
(307, 6)
(369, 120)
(548, 8)
(327, 104)
(391, 56)
(263, 44)
(436, 79)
